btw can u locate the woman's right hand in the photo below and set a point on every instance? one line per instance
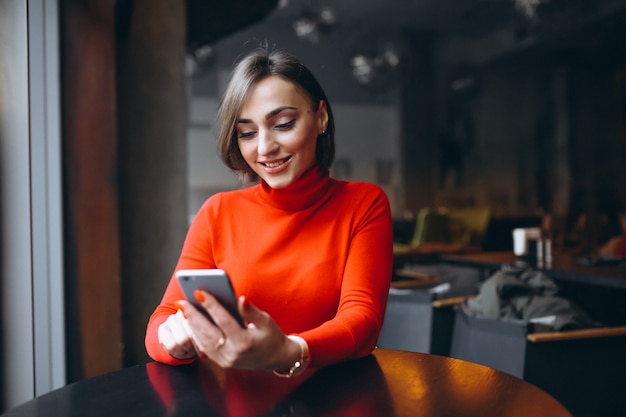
(175, 337)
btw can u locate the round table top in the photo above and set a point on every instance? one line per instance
(387, 383)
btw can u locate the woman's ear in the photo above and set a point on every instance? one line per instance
(322, 112)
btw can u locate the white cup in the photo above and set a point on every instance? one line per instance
(522, 236)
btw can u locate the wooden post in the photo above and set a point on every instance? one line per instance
(91, 199)
(152, 121)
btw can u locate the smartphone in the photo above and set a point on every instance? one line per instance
(213, 281)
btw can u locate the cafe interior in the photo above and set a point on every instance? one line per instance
(497, 129)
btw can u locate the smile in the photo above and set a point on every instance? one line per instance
(275, 164)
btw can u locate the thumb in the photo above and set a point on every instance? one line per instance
(250, 312)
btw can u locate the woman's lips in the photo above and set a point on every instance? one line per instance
(275, 165)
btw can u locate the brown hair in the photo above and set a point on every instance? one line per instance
(252, 68)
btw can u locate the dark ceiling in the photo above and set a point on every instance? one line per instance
(547, 19)
(450, 16)
(210, 20)
(552, 23)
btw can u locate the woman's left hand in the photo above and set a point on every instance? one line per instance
(260, 345)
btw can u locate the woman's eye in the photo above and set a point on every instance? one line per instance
(284, 126)
(244, 135)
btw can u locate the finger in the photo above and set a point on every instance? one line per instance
(220, 316)
(196, 343)
(181, 332)
(177, 350)
(187, 309)
(251, 313)
(205, 335)
(174, 339)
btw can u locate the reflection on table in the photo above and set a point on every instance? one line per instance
(388, 383)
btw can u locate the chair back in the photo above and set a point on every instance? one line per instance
(468, 225)
(431, 226)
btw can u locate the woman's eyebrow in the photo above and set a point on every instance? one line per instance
(278, 110)
(269, 115)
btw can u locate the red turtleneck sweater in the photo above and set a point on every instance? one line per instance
(316, 256)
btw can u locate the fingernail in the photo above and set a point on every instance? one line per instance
(181, 309)
(199, 296)
(244, 301)
(202, 356)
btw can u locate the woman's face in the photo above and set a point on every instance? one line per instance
(277, 131)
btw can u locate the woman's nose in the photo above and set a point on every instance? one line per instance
(266, 145)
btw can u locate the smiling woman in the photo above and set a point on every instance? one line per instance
(277, 134)
(258, 78)
(309, 256)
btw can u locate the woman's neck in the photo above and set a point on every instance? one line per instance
(301, 194)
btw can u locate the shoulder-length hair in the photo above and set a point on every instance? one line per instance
(252, 68)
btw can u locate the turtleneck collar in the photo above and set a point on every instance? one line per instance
(303, 193)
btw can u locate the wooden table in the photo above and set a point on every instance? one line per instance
(388, 383)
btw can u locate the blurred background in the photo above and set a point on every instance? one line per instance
(108, 137)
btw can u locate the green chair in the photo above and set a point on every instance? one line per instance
(468, 225)
(431, 226)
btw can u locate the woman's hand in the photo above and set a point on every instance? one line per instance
(261, 345)
(175, 337)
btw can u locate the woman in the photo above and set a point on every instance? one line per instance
(309, 257)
